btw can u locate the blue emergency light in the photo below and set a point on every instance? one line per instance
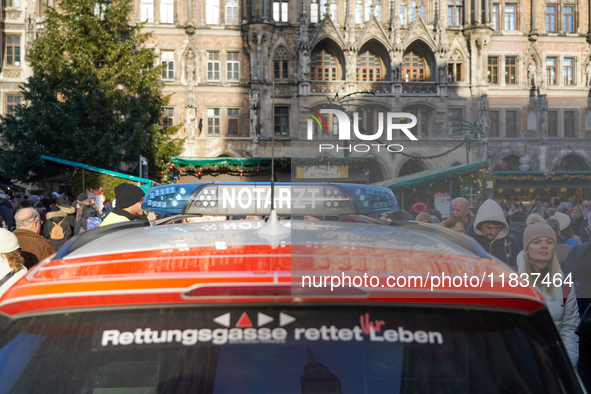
(254, 198)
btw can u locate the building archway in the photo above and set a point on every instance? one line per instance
(508, 163)
(571, 163)
(412, 166)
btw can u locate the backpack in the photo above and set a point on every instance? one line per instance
(93, 222)
(57, 232)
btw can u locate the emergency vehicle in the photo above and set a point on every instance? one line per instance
(235, 306)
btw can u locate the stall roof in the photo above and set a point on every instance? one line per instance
(538, 179)
(429, 175)
(145, 188)
(253, 161)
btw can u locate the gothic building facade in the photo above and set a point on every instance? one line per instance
(512, 75)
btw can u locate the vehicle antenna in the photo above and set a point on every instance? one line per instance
(273, 152)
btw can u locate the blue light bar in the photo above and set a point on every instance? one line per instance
(294, 199)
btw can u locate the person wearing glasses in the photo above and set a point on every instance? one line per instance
(127, 205)
(34, 248)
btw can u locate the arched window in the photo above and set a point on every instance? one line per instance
(368, 67)
(422, 10)
(412, 10)
(323, 66)
(413, 68)
(454, 67)
(281, 64)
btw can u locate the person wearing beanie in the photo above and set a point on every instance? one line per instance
(424, 217)
(492, 232)
(129, 200)
(539, 264)
(12, 266)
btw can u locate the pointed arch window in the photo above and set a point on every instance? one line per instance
(454, 67)
(323, 66)
(281, 64)
(368, 67)
(422, 10)
(413, 68)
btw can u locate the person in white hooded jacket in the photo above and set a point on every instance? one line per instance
(12, 264)
(539, 257)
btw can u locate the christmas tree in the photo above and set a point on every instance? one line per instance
(94, 96)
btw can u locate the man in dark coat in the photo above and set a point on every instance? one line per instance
(578, 263)
(491, 231)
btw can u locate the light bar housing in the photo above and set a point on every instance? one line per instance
(294, 199)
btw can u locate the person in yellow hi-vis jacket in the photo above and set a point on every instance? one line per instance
(128, 205)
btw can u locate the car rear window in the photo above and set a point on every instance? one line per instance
(284, 350)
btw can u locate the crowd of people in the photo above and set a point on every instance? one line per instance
(33, 228)
(548, 241)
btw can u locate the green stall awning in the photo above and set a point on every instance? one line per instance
(147, 183)
(542, 180)
(415, 179)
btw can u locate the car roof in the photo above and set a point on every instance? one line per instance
(200, 263)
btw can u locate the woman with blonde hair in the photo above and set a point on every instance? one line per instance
(12, 264)
(539, 263)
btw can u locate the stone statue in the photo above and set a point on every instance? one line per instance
(588, 74)
(190, 121)
(305, 64)
(442, 74)
(351, 67)
(190, 97)
(254, 105)
(532, 73)
(191, 67)
(543, 107)
(484, 116)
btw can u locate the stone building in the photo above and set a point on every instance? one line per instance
(241, 71)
